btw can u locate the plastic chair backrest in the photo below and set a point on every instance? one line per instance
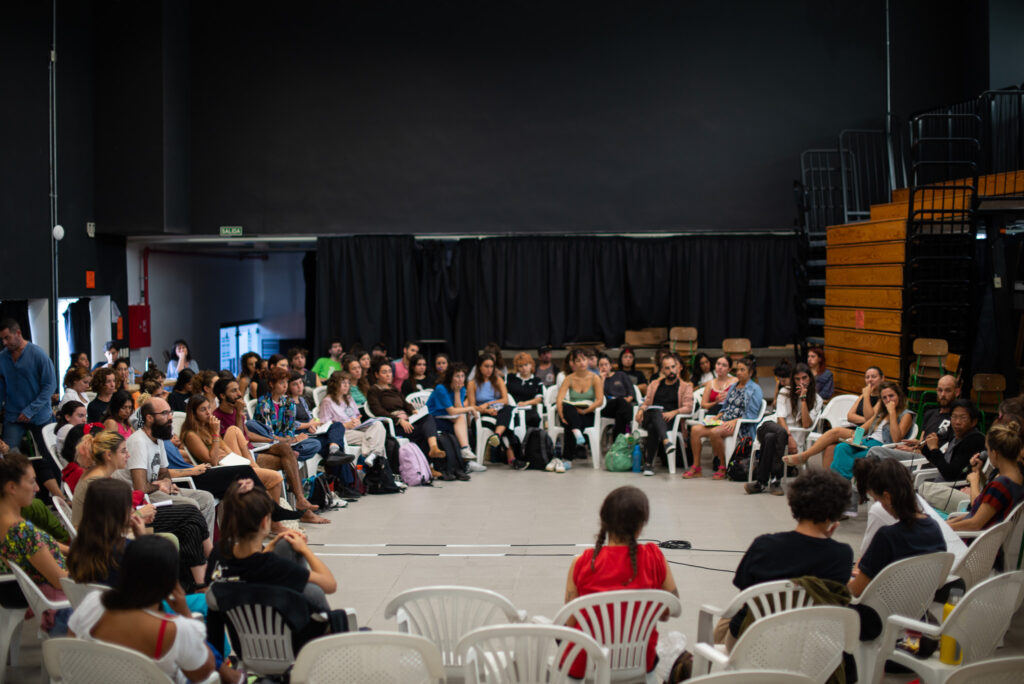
(622, 621)
(530, 654)
(250, 406)
(50, 439)
(810, 641)
(983, 615)
(836, 410)
(1013, 547)
(64, 513)
(736, 347)
(445, 614)
(753, 677)
(318, 395)
(995, 671)
(770, 598)
(976, 565)
(261, 620)
(419, 399)
(71, 661)
(368, 657)
(37, 600)
(908, 586)
(177, 420)
(76, 592)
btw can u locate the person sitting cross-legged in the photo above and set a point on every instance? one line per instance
(667, 396)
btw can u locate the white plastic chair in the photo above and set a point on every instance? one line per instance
(50, 440)
(977, 563)
(389, 424)
(530, 654)
(318, 395)
(11, 622)
(74, 661)
(978, 623)
(809, 641)
(675, 430)
(754, 677)
(995, 671)
(250, 407)
(369, 657)
(556, 428)
(833, 415)
(37, 601)
(445, 614)
(177, 420)
(483, 431)
(767, 598)
(621, 621)
(64, 513)
(906, 587)
(1013, 547)
(730, 441)
(89, 396)
(76, 592)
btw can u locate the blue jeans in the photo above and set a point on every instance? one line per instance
(14, 432)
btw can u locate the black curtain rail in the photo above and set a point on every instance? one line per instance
(523, 293)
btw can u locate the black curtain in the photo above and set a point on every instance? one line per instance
(78, 326)
(527, 291)
(17, 309)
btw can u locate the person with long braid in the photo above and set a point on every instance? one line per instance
(618, 561)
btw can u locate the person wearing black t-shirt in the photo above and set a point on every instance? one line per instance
(667, 396)
(817, 499)
(913, 534)
(619, 395)
(285, 562)
(627, 364)
(526, 388)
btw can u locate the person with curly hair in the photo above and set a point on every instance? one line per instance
(817, 499)
(618, 561)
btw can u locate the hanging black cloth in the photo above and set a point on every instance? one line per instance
(78, 326)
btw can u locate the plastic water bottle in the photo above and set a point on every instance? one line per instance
(638, 459)
(949, 650)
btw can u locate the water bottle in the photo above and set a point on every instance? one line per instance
(638, 459)
(949, 650)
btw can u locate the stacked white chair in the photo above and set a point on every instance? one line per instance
(370, 658)
(445, 614)
(530, 654)
(978, 623)
(622, 622)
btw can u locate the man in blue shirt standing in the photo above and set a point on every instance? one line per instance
(27, 381)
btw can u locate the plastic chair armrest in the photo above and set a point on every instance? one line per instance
(914, 625)
(185, 481)
(709, 652)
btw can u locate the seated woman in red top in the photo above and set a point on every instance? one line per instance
(618, 562)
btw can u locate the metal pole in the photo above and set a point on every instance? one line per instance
(54, 218)
(888, 100)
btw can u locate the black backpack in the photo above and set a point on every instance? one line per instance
(739, 464)
(379, 478)
(537, 448)
(321, 492)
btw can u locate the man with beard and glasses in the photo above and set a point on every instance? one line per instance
(936, 422)
(147, 463)
(667, 396)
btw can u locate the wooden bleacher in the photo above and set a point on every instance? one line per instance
(864, 283)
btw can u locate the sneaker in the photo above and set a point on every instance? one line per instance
(474, 467)
(670, 452)
(754, 487)
(398, 481)
(692, 473)
(648, 472)
(775, 488)
(559, 466)
(852, 513)
(550, 467)
(581, 440)
(566, 463)
(493, 441)
(520, 465)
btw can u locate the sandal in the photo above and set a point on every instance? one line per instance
(692, 473)
(794, 460)
(719, 474)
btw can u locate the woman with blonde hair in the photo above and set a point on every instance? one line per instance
(992, 503)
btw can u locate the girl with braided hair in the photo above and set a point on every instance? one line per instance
(618, 561)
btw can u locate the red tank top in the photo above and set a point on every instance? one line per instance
(611, 571)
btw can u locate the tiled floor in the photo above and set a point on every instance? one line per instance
(460, 533)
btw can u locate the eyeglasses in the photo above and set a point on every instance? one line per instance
(168, 412)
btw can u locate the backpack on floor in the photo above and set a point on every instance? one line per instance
(452, 463)
(378, 478)
(738, 469)
(320, 492)
(538, 448)
(619, 458)
(412, 466)
(391, 450)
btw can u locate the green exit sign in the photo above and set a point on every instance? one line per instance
(231, 231)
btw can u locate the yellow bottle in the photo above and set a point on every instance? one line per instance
(949, 649)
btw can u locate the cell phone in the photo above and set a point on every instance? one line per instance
(858, 436)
